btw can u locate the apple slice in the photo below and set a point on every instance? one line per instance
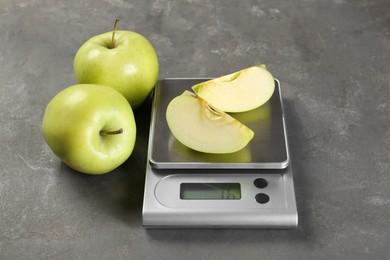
(241, 91)
(201, 127)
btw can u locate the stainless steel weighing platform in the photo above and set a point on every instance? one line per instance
(252, 188)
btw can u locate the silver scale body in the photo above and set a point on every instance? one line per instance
(170, 164)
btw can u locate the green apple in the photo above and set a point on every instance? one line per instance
(240, 91)
(123, 60)
(90, 127)
(204, 128)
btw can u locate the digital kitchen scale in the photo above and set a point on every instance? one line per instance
(251, 188)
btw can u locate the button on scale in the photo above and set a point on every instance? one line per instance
(261, 198)
(260, 183)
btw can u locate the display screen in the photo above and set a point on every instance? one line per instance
(210, 191)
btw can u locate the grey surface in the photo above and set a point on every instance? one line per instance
(332, 57)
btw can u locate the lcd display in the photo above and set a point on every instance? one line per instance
(210, 191)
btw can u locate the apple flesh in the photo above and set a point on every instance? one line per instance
(124, 60)
(240, 91)
(90, 127)
(201, 127)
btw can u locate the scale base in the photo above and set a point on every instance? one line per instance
(274, 208)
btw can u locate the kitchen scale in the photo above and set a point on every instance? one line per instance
(251, 188)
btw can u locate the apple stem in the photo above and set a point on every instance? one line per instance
(113, 34)
(115, 132)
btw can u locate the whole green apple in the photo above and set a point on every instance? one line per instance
(90, 127)
(123, 60)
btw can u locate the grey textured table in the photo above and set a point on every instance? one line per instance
(332, 57)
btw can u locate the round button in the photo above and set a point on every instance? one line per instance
(262, 198)
(260, 183)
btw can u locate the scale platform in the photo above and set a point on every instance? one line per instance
(252, 188)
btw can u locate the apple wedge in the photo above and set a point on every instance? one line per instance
(201, 127)
(241, 91)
